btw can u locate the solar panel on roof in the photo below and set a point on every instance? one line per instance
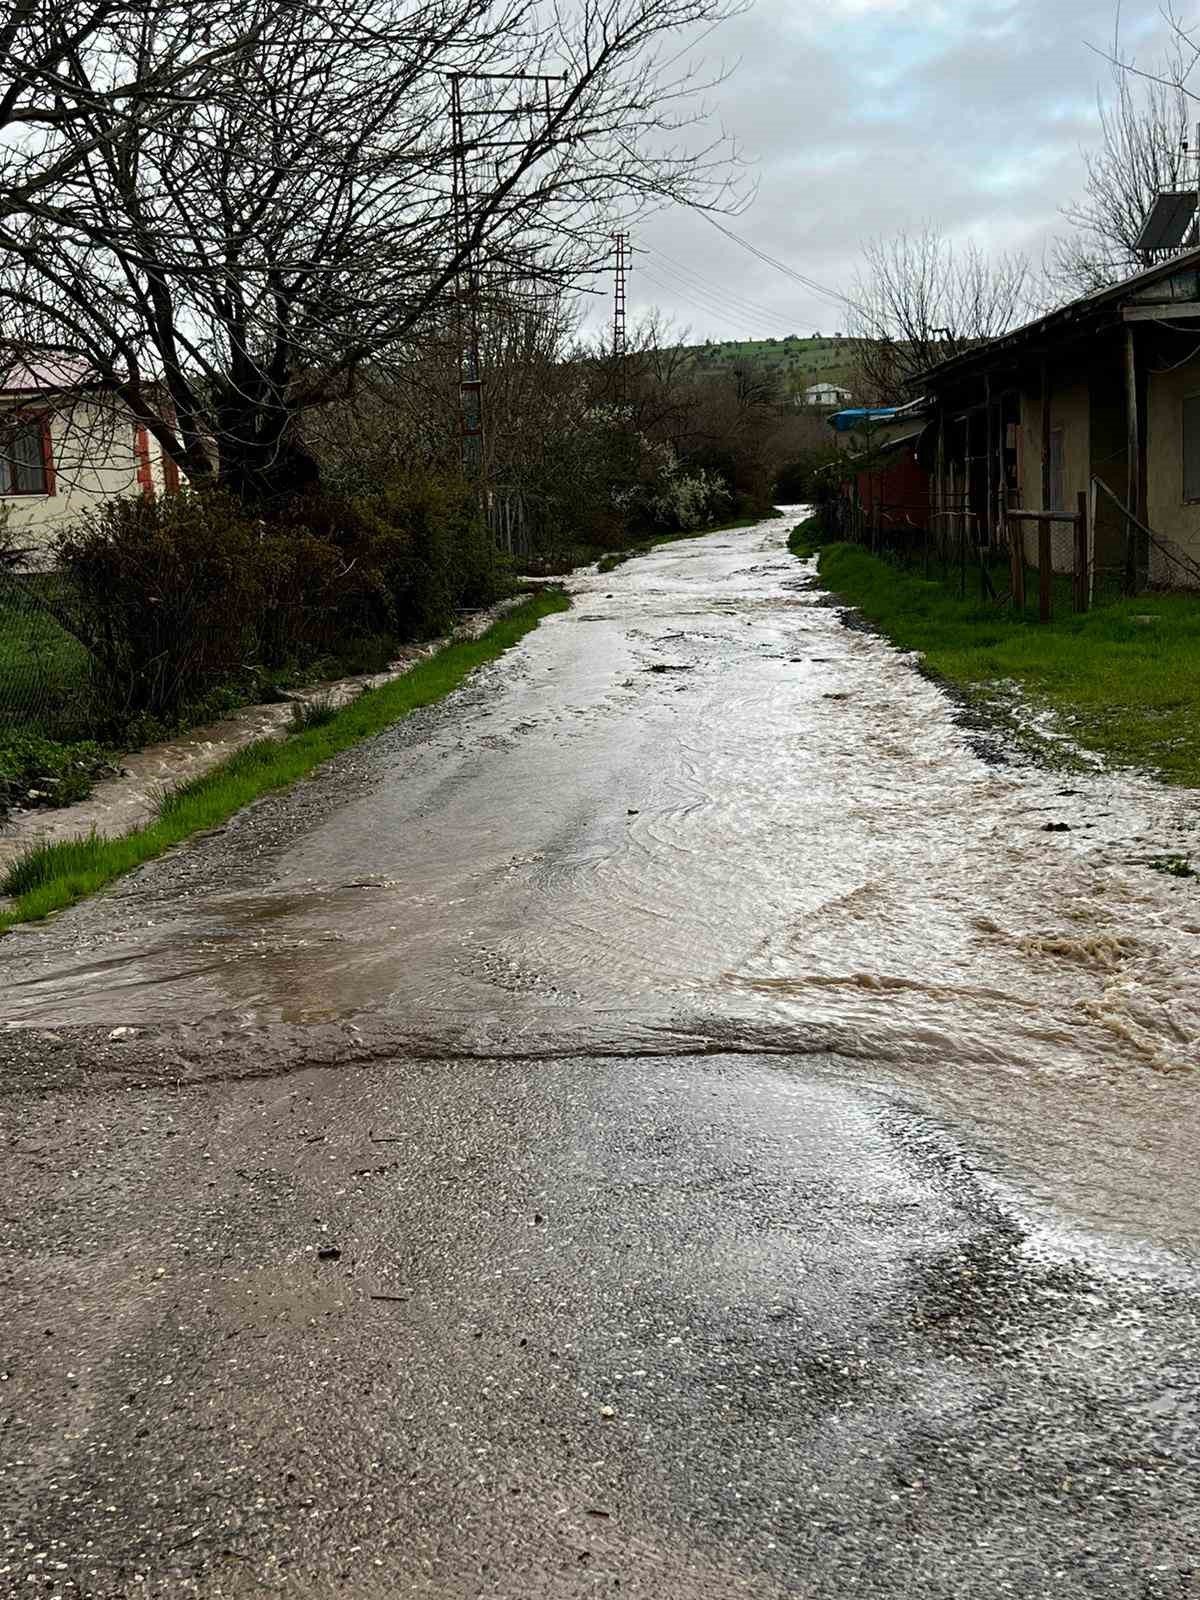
(1169, 220)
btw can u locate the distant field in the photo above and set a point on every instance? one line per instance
(824, 359)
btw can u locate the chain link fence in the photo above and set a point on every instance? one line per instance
(46, 681)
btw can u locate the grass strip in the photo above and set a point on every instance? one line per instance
(1123, 678)
(49, 877)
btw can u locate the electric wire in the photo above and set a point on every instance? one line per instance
(706, 301)
(738, 302)
(811, 284)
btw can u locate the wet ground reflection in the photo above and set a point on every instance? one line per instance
(699, 806)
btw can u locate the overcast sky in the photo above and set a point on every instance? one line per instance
(862, 117)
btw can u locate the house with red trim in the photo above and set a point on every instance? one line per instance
(67, 445)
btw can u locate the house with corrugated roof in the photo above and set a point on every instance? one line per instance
(1099, 399)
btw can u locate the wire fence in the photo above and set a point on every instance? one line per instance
(1117, 556)
(46, 678)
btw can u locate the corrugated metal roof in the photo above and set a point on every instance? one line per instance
(44, 375)
(1076, 310)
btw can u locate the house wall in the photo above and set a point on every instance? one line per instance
(1174, 520)
(902, 486)
(1070, 410)
(94, 459)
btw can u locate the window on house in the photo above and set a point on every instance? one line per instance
(23, 459)
(1191, 447)
(1058, 470)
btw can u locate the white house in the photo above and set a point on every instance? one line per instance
(65, 447)
(825, 394)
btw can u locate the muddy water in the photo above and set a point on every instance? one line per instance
(699, 811)
(130, 799)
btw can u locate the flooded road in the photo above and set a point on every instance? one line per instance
(686, 1117)
(700, 810)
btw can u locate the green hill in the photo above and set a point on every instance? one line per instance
(796, 362)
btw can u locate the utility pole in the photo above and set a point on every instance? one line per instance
(466, 241)
(620, 340)
(466, 298)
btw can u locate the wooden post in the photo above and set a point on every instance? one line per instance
(990, 446)
(1081, 553)
(1133, 446)
(1091, 547)
(1013, 530)
(1046, 484)
(1045, 571)
(941, 484)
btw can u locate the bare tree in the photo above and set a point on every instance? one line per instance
(1140, 154)
(919, 298)
(227, 254)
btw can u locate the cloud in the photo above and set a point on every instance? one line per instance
(880, 116)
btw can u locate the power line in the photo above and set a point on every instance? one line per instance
(693, 279)
(687, 297)
(709, 303)
(811, 284)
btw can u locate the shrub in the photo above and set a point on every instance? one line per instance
(179, 596)
(434, 551)
(165, 593)
(690, 500)
(43, 772)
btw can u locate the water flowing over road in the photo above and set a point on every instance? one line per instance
(728, 1059)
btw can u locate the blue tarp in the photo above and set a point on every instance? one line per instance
(862, 416)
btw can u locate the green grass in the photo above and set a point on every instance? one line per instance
(1124, 678)
(805, 538)
(314, 713)
(43, 670)
(49, 877)
(1174, 866)
(827, 359)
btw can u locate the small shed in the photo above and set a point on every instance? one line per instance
(885, 486)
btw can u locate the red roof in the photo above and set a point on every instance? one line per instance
(19, 375)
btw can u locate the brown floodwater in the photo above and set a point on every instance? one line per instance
(699, 811)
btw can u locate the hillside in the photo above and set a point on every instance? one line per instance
(797, 362)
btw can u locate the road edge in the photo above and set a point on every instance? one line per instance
(51, 877)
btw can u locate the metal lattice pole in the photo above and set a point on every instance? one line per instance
(466, 298)
(620, 338)
(467, 241)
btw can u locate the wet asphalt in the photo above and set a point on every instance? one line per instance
(354, 1303)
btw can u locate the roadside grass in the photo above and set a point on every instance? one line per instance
(49, 877)
(1123, 679)
(805, 538)
(314, 713)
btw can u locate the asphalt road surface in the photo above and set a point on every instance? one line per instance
(687, 1117)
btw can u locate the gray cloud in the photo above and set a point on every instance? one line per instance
(889, 114)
